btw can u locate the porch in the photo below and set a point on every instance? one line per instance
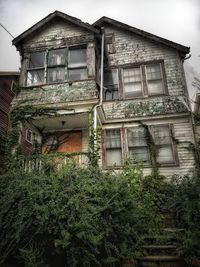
(52, 161)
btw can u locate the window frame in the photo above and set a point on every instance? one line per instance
(144, 80)
(47, 67)
(125, 147)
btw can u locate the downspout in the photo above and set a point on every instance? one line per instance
(101, 79)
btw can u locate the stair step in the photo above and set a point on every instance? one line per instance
(159, 261)
(173, 230)
(160, 250)
(167, 239)
(159, 258)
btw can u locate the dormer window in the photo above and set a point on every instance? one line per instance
(57, 65)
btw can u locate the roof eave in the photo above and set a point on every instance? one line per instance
(16, 41)
(183, 49)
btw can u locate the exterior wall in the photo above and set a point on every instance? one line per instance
(26, 147)
(171, 108)
(58, 93)
(130, 48)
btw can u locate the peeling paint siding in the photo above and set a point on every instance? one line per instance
(56, 31)
(131, 48)
(197, 133)
(58, 93)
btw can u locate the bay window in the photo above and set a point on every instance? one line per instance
(57, 65)
(35, 71)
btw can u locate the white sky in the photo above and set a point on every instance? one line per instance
(176, 20)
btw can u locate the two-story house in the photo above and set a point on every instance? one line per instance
(131, 82)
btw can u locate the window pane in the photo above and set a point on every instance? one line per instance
(36, 60)
(139, 154)
(56, 75)
(133, 89)
(162, 135)
(154, 79)
(154, 72)
(165, 154)
(111, 84)
(57, 57)
(77, 58)
(113, 157)
(113, 138)
(77, 74)
(111, 77)
(35, 77)
(132, 82)
(136, 137)
(155, 87)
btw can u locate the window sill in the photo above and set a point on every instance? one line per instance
(56, 83)
(136, 98)
(174, 164)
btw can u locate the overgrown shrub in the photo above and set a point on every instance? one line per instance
(74, 217)
(185, 207)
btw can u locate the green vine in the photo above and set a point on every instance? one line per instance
(94, 141)
(152, 150)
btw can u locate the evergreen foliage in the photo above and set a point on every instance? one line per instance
(73, 217)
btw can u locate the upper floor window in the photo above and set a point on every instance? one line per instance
(35, 72)
(139, 81)
(57, 65)
(111, 85)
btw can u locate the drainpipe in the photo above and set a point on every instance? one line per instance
(101, 77)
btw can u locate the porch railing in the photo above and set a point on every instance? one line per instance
(55, 161)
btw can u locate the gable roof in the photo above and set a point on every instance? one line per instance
(104, 20)
(56, 14)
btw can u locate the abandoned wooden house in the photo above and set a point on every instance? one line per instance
(131, 82)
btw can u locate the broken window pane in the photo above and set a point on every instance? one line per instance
(111, 84)
(35, 77)
(36, 59)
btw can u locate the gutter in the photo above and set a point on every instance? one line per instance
(101, 81)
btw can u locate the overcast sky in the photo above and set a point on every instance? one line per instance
(176, 20)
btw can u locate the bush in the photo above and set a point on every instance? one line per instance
(185, 207)
(74, 217)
